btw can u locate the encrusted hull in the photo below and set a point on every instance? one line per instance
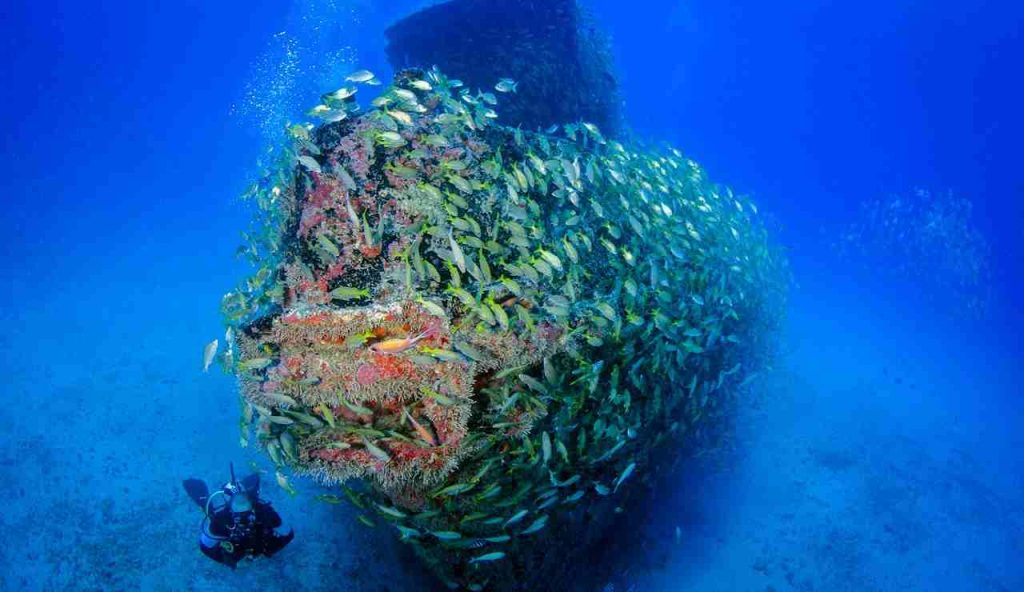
(493, 331)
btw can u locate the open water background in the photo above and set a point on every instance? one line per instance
(884, 452)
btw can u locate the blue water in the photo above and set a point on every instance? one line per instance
(885, 450)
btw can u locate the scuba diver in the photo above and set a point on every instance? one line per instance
(236, 524)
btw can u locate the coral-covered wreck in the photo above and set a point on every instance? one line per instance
(482, 336)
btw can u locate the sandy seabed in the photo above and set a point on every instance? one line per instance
(872, 458)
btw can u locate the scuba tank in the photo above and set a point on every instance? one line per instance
(236, 524)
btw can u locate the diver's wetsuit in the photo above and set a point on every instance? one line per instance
(235, 536)
(233, 531)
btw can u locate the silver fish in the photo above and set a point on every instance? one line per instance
(362, 77)
(209, 353)
(506, 85)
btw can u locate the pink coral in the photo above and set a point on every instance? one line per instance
(367, 374)
(310, 219)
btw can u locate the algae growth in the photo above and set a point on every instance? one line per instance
(483, 335)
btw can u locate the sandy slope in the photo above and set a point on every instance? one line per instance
(871, 461)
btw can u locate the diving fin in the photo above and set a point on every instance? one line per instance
(197, 491)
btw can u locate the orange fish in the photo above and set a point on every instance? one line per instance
(397, 346)
(421, 431)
